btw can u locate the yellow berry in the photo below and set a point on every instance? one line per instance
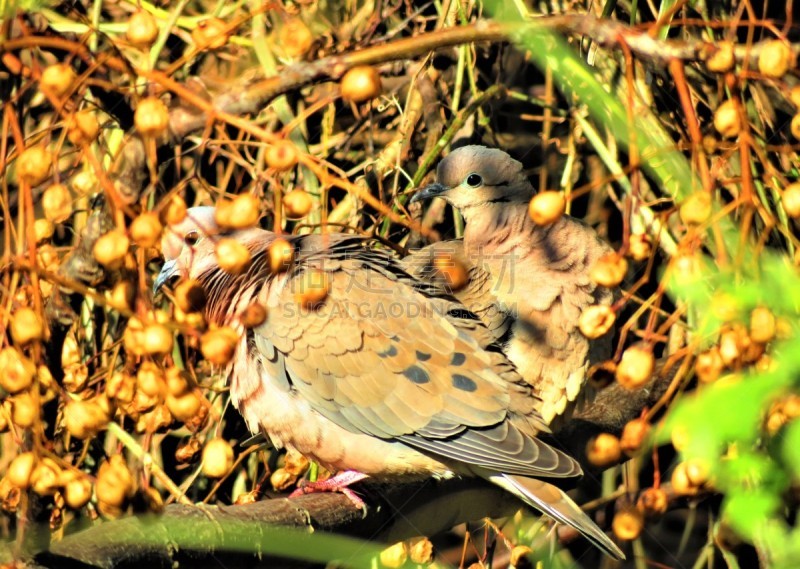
(609, 270)
(146, 229)
(282, 155)
(653, 502)
(311, 288)
(281, 255)
(217, 458)
(142, 29)
(151, 117)
(361, 84)
(295, 38)
(58, 79)
(297, 204)
(57, 203)
(603, 450)
(635, 367)
(547, 207)
(26, 326)
(233, 257)
(110, 249)
(241, 212)
(628, 523)
(20, 469)
(218, 345)
(596, 321)
(775, 59)
(211, 33)
(82, 127)
(696, 209)
(33, 165)
(18, 371)
(633, 435)
(722, 59)
(727, 120)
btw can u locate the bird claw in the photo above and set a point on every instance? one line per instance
(338, 483)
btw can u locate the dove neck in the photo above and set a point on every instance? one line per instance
(498, 226)
(226, 293)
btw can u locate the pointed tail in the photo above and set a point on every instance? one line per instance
(552, 501)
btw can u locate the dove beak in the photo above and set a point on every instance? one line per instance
(428, 192)
(169, 270)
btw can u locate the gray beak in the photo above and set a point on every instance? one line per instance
(428, 192)
(169, 270)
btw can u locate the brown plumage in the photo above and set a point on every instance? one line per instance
(528, 283)
(387, 376)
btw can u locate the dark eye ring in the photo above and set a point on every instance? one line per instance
(474, 180)
(191, 238)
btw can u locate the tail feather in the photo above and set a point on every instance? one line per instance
(552, 501)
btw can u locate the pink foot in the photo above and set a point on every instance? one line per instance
(338, 483)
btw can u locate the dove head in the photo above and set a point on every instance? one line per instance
(475, 176)
(188, 247)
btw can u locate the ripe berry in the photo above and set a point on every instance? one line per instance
(603, 450)
(696, 209)
(33, 165)
(727, 120)
(233, 257)
(146, 229)
(142, 29)
(451, 271)
(58, 79)
(652, 501)
(596, 321)
(218, 345)
(18, 371)
(57, 203)
(110, 249)
(791, 200)
(640, 247)
(547, 207)
(241, 212)
(26, 326)
(295, 38)
(635, 367)
(82, 127)
(151, 117)
(722, 59)
(281, 255)
(361, 84)
(709, 365)
(282, 155)
(762, 325)
(211, 33)
(628, 523)
(609, 270)
(775, 59)
(217, 458)
(311, 288)
(633, 435)
(297, 204)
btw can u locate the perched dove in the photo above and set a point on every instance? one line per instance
(528, 283)
(384, 377)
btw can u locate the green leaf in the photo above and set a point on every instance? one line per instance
(748, 511)
(790, 448)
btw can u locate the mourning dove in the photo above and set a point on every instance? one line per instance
(529, 283)
(384, 376)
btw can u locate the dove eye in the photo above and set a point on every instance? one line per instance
(191, 238)
(474, 180)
